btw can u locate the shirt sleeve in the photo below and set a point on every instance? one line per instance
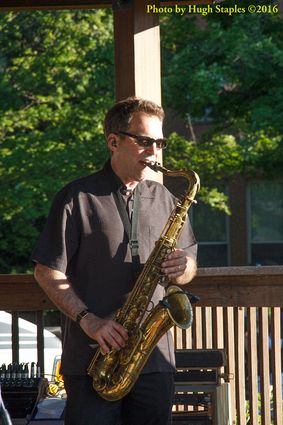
(187, 240)
(58, 241)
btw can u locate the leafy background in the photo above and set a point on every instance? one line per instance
(57, 81)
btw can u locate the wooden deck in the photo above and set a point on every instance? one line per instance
(240, 311)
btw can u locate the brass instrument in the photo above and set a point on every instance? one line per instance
(115, 373)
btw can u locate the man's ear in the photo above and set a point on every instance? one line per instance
(112, 142)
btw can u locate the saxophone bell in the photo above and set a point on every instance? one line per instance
(179, 307)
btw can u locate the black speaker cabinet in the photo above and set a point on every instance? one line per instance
(191, 420)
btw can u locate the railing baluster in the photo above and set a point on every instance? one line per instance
(229, 343)
(240, 365)
(252, 365)
(40, 340)
(264, 366)
(197, 328)
(218, 336)
(206, 326)
(15, 337)
(189, 338)
(276, 359)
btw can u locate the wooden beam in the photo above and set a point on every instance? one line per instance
(239, 286)
(186, 2)
(22, 293)
(18, 5)
(223, 286)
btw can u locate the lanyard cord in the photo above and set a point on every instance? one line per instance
(130, 226)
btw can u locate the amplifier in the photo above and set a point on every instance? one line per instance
(20, 398)
(183, 419)
(201, 396)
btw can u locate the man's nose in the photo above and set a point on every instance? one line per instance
(153, 148)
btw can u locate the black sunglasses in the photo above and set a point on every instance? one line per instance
(145, 141)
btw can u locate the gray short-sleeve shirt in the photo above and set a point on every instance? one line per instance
(84, 238)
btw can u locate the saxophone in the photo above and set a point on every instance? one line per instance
(115, 373)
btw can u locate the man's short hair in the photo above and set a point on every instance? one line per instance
(119, 117)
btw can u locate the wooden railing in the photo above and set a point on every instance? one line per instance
(239, 311)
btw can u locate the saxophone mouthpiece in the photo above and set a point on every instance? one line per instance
(155, 166)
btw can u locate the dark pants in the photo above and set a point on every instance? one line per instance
(148, 403)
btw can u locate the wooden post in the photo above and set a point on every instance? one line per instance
(137, 50)
(238, 222)
(137, 54)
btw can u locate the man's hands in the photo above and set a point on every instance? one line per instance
(109, 334)
(179, 267)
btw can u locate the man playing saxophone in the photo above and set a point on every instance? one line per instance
(100, 230)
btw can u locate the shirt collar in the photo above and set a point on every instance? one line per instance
(116, 182)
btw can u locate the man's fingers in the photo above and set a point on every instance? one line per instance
(115, 340)
(176, 253)
(173, 266)
(174, 269)
(121, 330)
(177, 259)
(108, 333)
(103, 346)
(108, 342)
(173, 274)
(111, 336)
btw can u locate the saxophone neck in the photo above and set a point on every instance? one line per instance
(190, 175)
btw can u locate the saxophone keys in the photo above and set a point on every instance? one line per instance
(163, 280)
(126, 354)
(150, 307)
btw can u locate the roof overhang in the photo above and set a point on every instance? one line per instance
(6, 5)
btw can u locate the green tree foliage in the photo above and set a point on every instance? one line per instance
(56, 81)
(226, 71)
(222, 157)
